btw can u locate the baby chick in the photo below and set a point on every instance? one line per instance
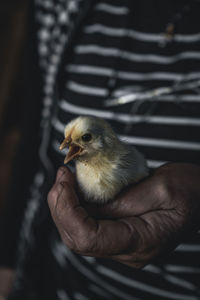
(104, 165)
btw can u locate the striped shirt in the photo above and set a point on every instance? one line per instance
(120, 49)
(105, 53)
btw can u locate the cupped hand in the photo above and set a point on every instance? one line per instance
(143, 222)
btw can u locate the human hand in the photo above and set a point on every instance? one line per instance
(145, 221)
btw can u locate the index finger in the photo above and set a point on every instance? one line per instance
(86, 235)
(63, 174)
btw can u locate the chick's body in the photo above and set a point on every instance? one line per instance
(104, 165)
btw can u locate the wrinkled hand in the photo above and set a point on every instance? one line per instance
(145, 221)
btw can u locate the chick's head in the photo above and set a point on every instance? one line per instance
(86, 137)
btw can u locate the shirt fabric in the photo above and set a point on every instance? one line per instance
(90, 52)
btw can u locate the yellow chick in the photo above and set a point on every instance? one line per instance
(104, 165)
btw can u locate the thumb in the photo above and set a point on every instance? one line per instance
(64, 174)
(64, 180)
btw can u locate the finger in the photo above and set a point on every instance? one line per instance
(159, 233)
(71, 219)
(64, 174)
(138, 258)
(87, 236)
(60, 172)
(102, 238)
(149, 195)
(132, 261)
(53, 195)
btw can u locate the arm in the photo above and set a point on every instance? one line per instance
(145, 221)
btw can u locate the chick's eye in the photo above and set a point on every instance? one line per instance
(86, 137)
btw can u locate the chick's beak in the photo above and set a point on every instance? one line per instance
(74, 149)
(65, 143)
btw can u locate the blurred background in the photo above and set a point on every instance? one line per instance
(13, 36)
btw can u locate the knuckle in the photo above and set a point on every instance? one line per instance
(162, 189)
(83, 246)
(75, 245)
(61, 207)
(75, 241)
(84, 243)
(52, 195)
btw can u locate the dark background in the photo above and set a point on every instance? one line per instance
(13, 37)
